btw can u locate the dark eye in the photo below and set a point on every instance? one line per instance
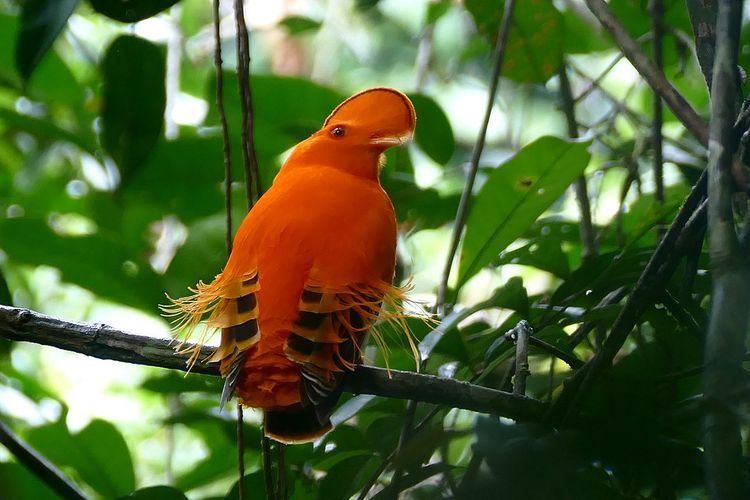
(337, 131)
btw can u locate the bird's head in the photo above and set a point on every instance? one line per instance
(359, 130)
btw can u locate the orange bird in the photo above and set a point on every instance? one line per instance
(310, 267)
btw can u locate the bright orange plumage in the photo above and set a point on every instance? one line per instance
(310, 267)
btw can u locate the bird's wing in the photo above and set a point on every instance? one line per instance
(328, 336)
(230, 305)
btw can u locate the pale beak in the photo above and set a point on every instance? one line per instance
(389, 141)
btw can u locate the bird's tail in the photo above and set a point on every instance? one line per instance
(299, 424)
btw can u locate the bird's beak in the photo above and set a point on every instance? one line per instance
(388, 141)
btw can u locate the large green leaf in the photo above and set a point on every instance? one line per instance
(98, 454)
(181, 177)
(514, 195)
(41, 22)
(51, 81)
(17, 482)
(134, 100)
(535, 42)
(433, 134)
(97, 262)
(130, 11)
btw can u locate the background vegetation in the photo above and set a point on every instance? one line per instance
(111, 195)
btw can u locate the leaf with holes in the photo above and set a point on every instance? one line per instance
(514, 195)
(535, 41)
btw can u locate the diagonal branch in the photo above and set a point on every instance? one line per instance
(476, 154)
(37, 464)
(103, 341)
(648, 70)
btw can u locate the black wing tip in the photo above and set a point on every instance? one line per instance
(296, 425)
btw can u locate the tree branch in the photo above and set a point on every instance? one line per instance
(48, 473)
(104, 342)
(730, 309)
(252, 172)
(653, 76)
(656, 273)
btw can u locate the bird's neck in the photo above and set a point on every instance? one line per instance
(365, 164)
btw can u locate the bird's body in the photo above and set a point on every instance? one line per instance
(310, 266)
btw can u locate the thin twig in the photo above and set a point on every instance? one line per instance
(44, 470)
(241, 449)
(588, 238)
(105, 342)
(655, 78)
(265, 452)
(227, 151)
(656, 8)
(228, 212)
(463, 204)
(281, 493)
(252, 172)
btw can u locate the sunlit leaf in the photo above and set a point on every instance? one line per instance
(535, 41)
(299, 24)
(514, 195)
(158, 493)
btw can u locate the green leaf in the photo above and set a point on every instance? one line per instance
(98, 454)
(158, 493)
(433, 134)
(96, 262)
(436, 10)
(544, 253)
(134, 100)
(41, 23)
(17, 482)
(6, 298)
(45, 129)
(177, 178)
(299, 24)
(514, 195)
(535, 41)
(130, 11)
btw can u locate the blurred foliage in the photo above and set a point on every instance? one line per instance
(111, 195)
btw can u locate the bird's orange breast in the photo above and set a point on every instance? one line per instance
(316, 224)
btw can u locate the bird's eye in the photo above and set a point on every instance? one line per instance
(337, 132)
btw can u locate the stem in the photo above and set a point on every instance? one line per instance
(241, 449)
(463, 204)
(588, 238)
(252, 173)
(45, 471)
(730, 309)
(224, 126)
(265, 448)
(656, 8)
